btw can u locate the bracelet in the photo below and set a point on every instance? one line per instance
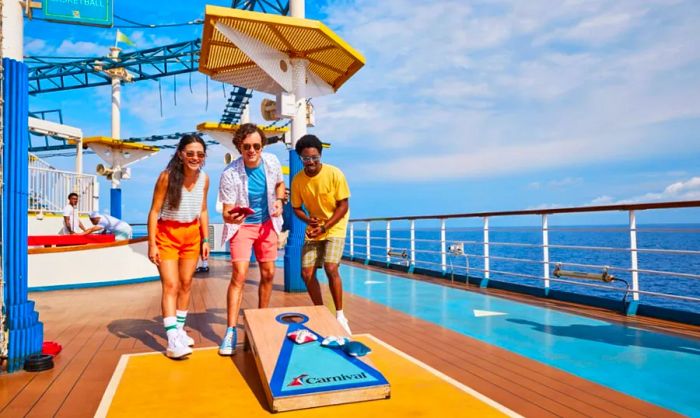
(205, 240)
(323, 229)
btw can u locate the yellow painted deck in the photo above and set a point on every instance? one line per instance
(152, 385)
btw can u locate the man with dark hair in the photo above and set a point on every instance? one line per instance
(71, 217)
(254, 182)
(324, 192)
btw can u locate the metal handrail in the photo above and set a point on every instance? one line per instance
(575, 209)
(373, 232)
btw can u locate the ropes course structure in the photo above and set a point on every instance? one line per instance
(51, 74)
(47, 74)
(57, 73)
(265, 6)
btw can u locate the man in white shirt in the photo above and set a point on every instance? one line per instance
(109, 225)
(71, 217)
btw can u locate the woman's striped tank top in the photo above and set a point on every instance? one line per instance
(190, 203)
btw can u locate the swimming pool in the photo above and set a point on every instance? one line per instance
(658, 368)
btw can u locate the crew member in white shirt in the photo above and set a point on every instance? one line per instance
(109, 225)
(71, 217)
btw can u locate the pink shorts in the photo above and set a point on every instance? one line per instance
(261, 237)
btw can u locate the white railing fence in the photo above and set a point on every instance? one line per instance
(36, 162)
(49, 189)
(659, 263)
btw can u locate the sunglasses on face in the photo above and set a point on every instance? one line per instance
(246, 147)
(192, 154)
(310, 159)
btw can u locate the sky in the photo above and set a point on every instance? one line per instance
(462, 106)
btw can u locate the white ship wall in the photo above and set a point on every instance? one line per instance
(49, 223)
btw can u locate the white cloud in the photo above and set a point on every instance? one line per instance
(681, 190)
(34, 46)
(82, 49)
(598, 29)
(148, 40)
(471, 90)
(557, 183)
(546, 206)
(455, 89)
(602, 200)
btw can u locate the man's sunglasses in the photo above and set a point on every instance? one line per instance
(310, 159)
(246, 147)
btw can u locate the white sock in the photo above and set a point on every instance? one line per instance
(205, 263)
(339, 315)
(181, 317)
(170, 323)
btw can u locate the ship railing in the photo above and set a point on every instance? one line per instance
(49, 189)
(629, 260)
(35, 161)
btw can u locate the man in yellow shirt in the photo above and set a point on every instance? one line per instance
(324, 192)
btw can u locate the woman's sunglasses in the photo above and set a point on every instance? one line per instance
(192, 154)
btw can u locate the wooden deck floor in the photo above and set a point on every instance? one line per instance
(97, 326)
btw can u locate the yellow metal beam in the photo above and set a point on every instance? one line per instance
(117, 144)
(224, 127)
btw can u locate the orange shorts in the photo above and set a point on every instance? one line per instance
(177, 240)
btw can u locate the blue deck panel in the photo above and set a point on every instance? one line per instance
(656, 367)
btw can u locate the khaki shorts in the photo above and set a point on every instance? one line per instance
(317, 253)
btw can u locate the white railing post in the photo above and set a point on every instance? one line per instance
(388, 242)
(443, 247)
(352, 240)
(632, 307)
(487, 274)
(95, 194)
(368, 244)
(413, 246)
(545, 252)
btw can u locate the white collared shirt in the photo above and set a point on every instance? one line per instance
(233, 190)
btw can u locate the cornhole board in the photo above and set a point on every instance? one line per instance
(297, 376)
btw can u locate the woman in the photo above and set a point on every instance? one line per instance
(252, 181)
(178, 226)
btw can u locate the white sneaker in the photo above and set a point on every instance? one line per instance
(344, 323)
(186, 339)
(177, 349)
(228, 345)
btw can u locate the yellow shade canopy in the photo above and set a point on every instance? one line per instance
(117, 144)
(231, 129)
(223, 133)
(331, 60)
(118, 154)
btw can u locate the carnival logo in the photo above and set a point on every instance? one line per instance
(297, 380)
(305, 379)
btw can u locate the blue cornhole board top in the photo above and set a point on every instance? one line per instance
(311, 368)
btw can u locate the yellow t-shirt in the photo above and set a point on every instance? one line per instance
(320, 195)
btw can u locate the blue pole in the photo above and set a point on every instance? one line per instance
(115, 203)
(292, 252)
(26, 333)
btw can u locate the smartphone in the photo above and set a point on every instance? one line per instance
(241, 210)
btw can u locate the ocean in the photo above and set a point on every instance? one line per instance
(667, 236)
(615, 237)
